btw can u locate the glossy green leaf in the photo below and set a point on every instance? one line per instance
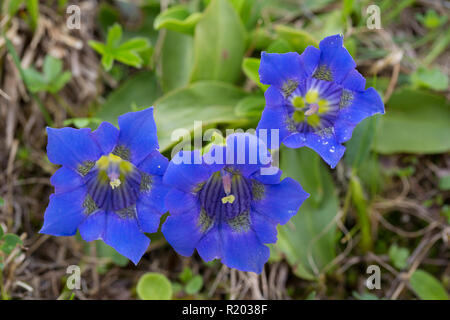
(250, 66)
(299, 39)
(154, 286)
(432, 78)
(178, 18)
(139, 91)
(251, 106)
(427, 287)
(415, 122)
(308, 240)
(177, 60)
(219, 44)
(208, 101)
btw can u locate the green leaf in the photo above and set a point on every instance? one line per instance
(251, 106)
(52, 68)
(35, 80)
(114, 36)
(250, 66)
(128, 57)
(208, 101)
(415, 122)
(97, 46)
(1, 228)
(10, 242)
(154, 286)
(444, 183)
(33, 12)
(194, 285)
(280, 46)
(140, 90)
(365, 296)
(219, 44)
(107, 61)
(297, 38)
(177, 60)
(177, 18)
(430, 78)
(311, 234)
(60, 81)
(186, 275)
(358, 147)
(398, 256)
(427, 287)
(134, 44)
(14, 6)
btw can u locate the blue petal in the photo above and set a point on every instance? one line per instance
(138, 134)
(354, 81)
(279, 68)
(243, 250)
(209, 246)
(155, 164)
(182, 231)
(246, 152)
(65, 179)
(295, 140)
(309, 60)
(106, 136)
(281, 201)
(71, 147)
(94, 226)
(148, 217)
(364, 104)
(177, 202)
(183, 173)
(335, 57)
(327, 147)
(264, 227)
(155, 197)
(268, 178)
(64, 213)
(124, 235)
(274, 117)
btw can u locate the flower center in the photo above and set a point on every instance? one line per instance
(113, 183)
(226, 195)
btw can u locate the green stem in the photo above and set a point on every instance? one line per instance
(362, 212)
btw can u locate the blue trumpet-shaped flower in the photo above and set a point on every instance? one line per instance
(110, 184)
(316, 99)
(225, 205)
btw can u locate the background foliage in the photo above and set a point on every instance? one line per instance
(385, 204)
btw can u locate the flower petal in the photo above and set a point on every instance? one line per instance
(295, 140)
(209, 247)
(278, 69)
(334, 58)
(155, 196)
(281, 201)
(309, 60)
(182, 231)
(243, 250)
(148, 216)
(124, 235)
(183, 172)
(327, 147)
(354, 81)
(274, 117)
(264, 227)
(246, 153)
(106, 136)
(64, 213)
(362, 105)
(71, 147)
(94, 226)
(155, 163)
(138, 134)
(177, 202)
(65, 179)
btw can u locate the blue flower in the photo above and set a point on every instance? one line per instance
(110, 184)
(225, 205)
(315, 99)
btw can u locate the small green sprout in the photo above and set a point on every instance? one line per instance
(126, 52)
(52, 79)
